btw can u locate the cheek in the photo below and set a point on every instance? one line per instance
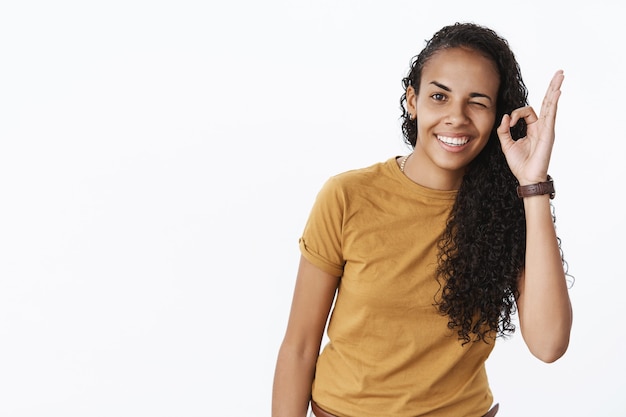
(487, 123)
(426, 117)
(424, 126)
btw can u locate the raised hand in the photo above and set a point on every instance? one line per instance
(529, 157)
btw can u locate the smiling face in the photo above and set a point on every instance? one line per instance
(455, 109)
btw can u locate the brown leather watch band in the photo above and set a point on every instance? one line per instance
(540, 188)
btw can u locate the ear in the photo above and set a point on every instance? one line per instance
(411, 102)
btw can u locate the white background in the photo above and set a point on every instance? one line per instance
(158, 160)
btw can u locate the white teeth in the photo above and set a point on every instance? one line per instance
(453, 141)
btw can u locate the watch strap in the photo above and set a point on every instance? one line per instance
(540, 188)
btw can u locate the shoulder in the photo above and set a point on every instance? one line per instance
(380, 171)
(367, 183)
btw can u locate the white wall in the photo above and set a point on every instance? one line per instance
(158, 160)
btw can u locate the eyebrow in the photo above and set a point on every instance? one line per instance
(446, 88)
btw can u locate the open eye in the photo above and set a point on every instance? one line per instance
(438, 96)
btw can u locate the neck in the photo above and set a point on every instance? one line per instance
(421, 170)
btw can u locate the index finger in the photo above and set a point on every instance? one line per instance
(551, 99)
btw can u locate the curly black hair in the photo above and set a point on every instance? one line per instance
(482, 249)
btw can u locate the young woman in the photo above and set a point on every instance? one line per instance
(424, 258)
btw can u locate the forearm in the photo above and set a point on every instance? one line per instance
(292, 382)
(544, 306)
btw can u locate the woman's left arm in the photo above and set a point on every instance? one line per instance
(544, 307)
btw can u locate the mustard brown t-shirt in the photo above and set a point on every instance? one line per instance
(390, 352)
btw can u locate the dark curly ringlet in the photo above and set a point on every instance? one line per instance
(482, 249)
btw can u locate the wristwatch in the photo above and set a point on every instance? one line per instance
(540, 188)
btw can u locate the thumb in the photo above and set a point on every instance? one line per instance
(504, 133)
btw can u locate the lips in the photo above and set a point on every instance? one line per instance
(453, 141)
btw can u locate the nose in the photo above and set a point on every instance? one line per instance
(457, 114)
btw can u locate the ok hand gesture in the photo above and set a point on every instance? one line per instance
(529, 157)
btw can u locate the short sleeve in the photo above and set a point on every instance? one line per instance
(321, 241)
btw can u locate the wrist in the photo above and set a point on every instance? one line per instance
(538, 188)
